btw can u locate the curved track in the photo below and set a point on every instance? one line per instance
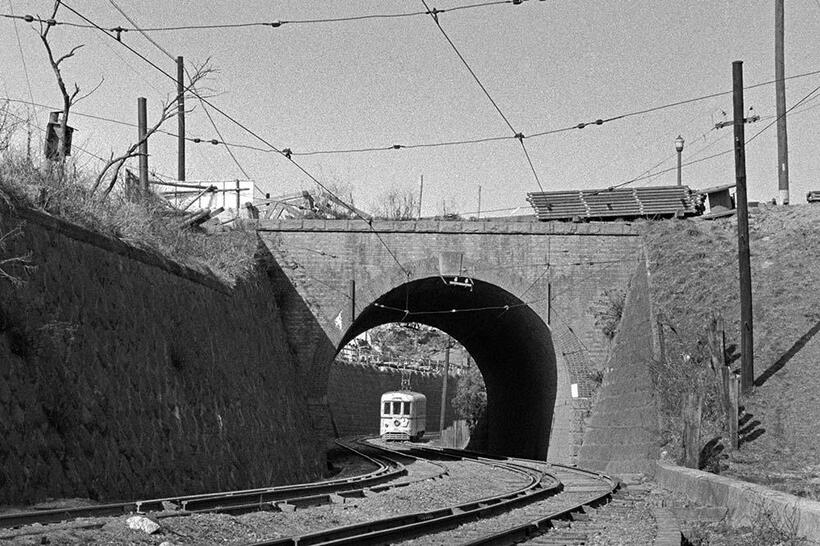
(234, 502)
(451, 525)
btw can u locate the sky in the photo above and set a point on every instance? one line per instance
(377, 82)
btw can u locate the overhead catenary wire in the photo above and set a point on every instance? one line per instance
(725, 152)
(22, 54)
(516, 134)
(73, 145)
(187, 73)
(271, 23)
(255, 135)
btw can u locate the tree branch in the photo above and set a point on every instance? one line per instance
(169, 110)
(67, 55)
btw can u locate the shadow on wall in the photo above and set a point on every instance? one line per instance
(306, 338)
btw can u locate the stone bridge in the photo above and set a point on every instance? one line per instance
(517, 295)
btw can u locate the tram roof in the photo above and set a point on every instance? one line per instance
(403, 395)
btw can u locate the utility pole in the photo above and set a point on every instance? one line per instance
(142, 132)
(444, 386)
(746, 325)
(181, 121)
(421, 192)
(780, 103)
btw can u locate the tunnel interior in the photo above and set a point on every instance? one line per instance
(510, 343)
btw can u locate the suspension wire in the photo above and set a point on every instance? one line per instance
(73, 145)
(529, 161)
(22, 55)
(571, 331)
(369, 221)
(725, 152)
(518, 135)
(187, 73)
(273, 24)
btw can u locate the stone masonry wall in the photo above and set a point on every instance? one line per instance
(123, 375)
(622, 434)
(354, 395)
(560, 269)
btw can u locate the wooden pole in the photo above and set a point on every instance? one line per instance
(238, 190)
(746, 325)
(780, 104)
(421, 192)
(352, 300)
(444, 387)
(142, 132)
(181, 119)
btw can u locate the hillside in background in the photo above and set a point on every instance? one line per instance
(694, 272)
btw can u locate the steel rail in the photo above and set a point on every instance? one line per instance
(539, 526)
(238, 501)
(404, 526)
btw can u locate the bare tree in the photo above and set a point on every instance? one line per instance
(397, 204)
(9, 122)
(8, 265)
(71, 99)
(169, 111)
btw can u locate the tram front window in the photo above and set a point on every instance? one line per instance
(396, 408)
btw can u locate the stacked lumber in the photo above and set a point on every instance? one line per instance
(626, 203)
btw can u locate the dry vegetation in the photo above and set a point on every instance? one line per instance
(145, 221)
(694, 272)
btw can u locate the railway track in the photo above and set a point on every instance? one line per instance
(545, 494)
(388, 469)
(442, 496)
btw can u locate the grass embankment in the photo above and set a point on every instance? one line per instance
(146, 221)
(694, 272)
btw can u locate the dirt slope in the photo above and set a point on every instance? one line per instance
(693, 267)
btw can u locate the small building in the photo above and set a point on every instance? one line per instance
(719, 201)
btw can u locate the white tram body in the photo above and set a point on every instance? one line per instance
(403, 415)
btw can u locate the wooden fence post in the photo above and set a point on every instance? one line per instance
(732, 384)
(691, 429)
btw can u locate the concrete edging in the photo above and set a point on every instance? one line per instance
(745, 501)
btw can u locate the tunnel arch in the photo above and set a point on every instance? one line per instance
(511, 345)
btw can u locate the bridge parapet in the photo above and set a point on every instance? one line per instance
(613, 229)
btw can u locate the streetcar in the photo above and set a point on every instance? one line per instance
(403, 415)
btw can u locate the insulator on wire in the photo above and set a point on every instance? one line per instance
(28, 18)
(276, 23)
(397, 146)
(196, 140)
(287, 152)
(214, 141)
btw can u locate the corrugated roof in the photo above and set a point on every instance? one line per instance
(615, 203)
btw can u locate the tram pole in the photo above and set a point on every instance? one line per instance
(746, 325)
(444, 387)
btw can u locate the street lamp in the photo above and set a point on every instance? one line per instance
(679, 147)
